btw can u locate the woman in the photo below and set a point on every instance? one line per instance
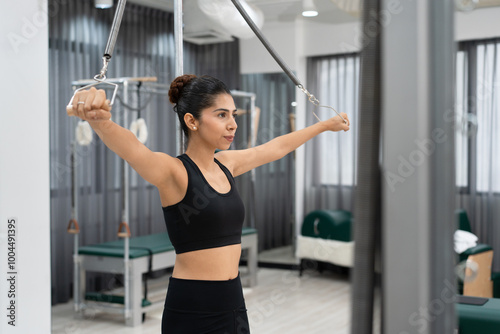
(203, 211)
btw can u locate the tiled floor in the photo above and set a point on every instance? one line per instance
(282, 302)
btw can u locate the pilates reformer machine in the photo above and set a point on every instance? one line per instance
(134, 257)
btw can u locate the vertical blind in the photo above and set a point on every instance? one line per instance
(330, 171)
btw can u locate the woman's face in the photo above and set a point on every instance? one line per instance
(217, 124)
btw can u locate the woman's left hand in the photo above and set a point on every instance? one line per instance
(337, 124)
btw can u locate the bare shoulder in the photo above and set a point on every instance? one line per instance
(171, 167)
(238, 161)
(173, 185)
(156, 167)
(227, 159)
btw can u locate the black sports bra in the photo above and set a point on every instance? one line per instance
(204, 218)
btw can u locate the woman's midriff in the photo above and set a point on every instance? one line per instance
(213, 264)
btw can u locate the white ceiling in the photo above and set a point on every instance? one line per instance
(288, 10)
(275, 10)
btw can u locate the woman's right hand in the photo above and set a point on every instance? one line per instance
(336, 123)
(90, 105)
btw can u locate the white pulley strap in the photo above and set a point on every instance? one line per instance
(140, 129)
(83, 133)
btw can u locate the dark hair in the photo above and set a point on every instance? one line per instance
(192, 94)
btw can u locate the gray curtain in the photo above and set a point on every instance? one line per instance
(77, 37)
(478, 146)
(330, 173)
(274, 195)
(218, 60)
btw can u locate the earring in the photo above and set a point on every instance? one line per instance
(194, 127)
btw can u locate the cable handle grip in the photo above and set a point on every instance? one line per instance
(73, 227)
(121, 233)
(99, 81)
(317, 104)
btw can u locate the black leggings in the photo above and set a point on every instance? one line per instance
(203, 307)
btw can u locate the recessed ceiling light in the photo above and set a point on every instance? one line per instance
(309, 9)
(309, 13)
(103, 4)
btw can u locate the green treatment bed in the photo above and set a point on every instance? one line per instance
(145, 254)
(478, 315)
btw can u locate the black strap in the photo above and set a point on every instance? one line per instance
(471, 300)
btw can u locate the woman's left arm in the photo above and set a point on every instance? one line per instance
(241, 161)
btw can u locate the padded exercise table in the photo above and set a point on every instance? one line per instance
(145, 254)
(326, 237)
(474, 319)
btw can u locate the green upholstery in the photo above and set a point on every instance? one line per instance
(328, 224)
(157, 243)
(139, 246)
(495, 277)
(248, 231)
(475, 319)
(462, 220)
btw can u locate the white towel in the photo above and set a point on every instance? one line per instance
(464, 240)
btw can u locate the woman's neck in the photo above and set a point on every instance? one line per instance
(203, 156)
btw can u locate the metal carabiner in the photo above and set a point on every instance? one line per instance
(316, 103)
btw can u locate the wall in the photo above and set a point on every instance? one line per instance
(293, 39)
(254, 58)
(24, 168)
(477, 24)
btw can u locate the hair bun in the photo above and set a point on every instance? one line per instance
(177, 86)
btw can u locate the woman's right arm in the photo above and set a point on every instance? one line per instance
(155, 167)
